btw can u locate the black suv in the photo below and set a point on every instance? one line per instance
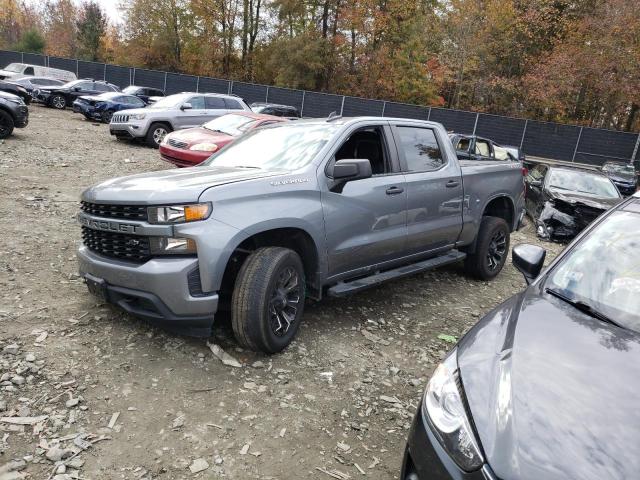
(61, 97)
(13, 114)
(275, 109)
(143, 93)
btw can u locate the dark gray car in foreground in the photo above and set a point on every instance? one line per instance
(547, 385)
(13, 114)
(293, 211)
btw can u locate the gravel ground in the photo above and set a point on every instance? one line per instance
(110, 397)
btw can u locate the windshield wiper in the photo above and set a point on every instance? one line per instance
(246, 166)
(583, 307)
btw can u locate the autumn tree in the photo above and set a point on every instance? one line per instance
(91, 27)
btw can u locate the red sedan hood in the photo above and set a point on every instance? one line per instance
(201, 135)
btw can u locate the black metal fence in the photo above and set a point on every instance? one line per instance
(541, 139)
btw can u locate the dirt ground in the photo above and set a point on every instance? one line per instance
(119, 399)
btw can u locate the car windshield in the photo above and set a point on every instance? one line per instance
(109, 95)
(582, 182)
(619, 168)
(14, 67)
(285, 147)
(171, 101)
(72, 83)
(603, 270)
(231, 124)
(131, 90)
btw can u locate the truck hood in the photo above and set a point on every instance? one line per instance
(169, 186)
(7, 74)
(553, 392)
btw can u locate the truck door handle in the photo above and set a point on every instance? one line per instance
(452, 183)
(394, 190)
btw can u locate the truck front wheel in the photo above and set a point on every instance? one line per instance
(492, 249)
(156, 134)
(268, 299)
(6, 124)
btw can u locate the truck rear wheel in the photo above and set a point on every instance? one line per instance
(268, 299)
(492, 249)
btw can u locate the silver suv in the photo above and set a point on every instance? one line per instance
(182, 110)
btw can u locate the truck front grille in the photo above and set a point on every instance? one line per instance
(134, 248)
(178, 144)
(120, 118)
(125, 212)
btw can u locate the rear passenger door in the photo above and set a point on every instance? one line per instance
(216, 107)
(434, 189)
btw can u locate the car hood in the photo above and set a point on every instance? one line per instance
(169, 186)
(574, 198)
(553, 392)
(93, 98)
(50, 88)
(8, 95)
(199, 135)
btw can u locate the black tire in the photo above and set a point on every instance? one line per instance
(492, 249)
(259, 303)
(154, 135)
(6, 124)
(106, 116)
(58, 102)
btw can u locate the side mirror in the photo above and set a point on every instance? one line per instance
(529, 260)
(186, 106)
(76, 89)
(348, 170)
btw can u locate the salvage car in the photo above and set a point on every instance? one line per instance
(291, 211)
(32, 83)
(175, 112)
(102, 107)
(62, 97)
(275, 109)
(545, 386)
(144, 93)
(16, 89)
(562, 200)
(623, 175)
(14, 113)
(473, 147)
(186, 148)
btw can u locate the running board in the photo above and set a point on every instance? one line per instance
(346, 288)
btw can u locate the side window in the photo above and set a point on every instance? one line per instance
(197, 103)
(136, 102)
(367, 144)
(85, 85)
(232, 104)
(215, 103)
(28, 71)
(501, 153)
(101, 87)
(482, 148)
(38, 81)
(537, 173)
(463, 145)
(421, 150)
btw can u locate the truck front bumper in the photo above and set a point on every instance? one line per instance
(158, 290)
(126, 130)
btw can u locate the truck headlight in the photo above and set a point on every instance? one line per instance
(172, 246)
(137, 116)
(179, 213)
(204, 147)
(443, 405)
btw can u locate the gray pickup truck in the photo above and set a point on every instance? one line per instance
(294, 211)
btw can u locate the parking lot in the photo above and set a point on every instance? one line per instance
(336, 404)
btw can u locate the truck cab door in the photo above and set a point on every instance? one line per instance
(365, 220)
(434, 188)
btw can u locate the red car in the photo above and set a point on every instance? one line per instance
(189, 147)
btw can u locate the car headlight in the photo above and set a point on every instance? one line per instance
(443, 405)
(204, 147)
(165, 139)
(179, 213)
(137, 116)
(172, 246)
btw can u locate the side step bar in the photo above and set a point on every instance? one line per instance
(346, 288)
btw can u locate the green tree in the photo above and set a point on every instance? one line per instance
(91, 27)
(31, 41)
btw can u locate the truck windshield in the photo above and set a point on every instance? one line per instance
(603, 271)
(285, 147)
(15, 67)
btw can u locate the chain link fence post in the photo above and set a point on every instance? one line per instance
(384, 105)
(524, 132)
(302, 106)
(475, 124)
(635, 150)
(573, 159)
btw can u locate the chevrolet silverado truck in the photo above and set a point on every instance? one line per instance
(290, 212)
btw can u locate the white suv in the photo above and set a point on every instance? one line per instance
(182, 110)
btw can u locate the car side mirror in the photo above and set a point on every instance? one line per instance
(529, 260)
(352, 169)
(76, 89)
(186, 106)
